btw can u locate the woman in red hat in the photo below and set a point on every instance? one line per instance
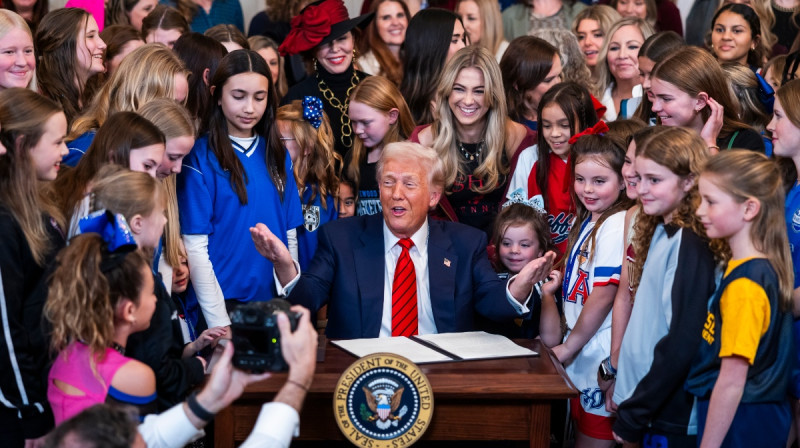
(323, 34)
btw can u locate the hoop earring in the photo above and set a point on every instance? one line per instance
(355, 58)
(315, 66)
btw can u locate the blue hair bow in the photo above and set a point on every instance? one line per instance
(766, 94)
(116, 234)
(312, 111)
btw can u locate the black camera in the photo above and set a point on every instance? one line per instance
(256, 337)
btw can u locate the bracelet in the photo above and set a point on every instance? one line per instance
(297, 384)
(610, 368)
(714, 147)
(198, 409)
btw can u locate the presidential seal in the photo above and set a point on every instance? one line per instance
(383, 401)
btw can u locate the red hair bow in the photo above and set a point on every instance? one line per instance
(599, 128)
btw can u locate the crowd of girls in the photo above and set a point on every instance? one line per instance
(137, 156)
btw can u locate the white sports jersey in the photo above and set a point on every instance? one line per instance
(582, 274)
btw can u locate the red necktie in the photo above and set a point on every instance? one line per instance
(404, 293)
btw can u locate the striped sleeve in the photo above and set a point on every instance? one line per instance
(609, 252)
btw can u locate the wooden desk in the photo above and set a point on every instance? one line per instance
(504, 399)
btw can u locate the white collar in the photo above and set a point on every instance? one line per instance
(420, 238)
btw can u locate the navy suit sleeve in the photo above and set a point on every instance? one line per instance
(313, 289)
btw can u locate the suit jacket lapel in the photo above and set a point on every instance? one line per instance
(442, 267)
(370, 273)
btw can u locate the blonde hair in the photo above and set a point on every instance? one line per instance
(491, 165)
(604, 76)
(693, 70)
(317, 169)
(23, 114)
(9, 20)
(418, 155)
(491, 24)
(744, 174)
(82, 298)
(683, 152)
(126, 192)
(174, 121)
(380, 94)
(146, 74)
(604, 15)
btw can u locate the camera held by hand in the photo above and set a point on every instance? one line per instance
(256, 337)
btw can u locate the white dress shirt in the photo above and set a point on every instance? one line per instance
(276, 424)
(419, 255)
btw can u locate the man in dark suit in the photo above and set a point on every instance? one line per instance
(357, 259)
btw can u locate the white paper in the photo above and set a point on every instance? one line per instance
(477, 345)
(416, 352)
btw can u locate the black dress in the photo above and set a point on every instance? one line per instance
(339, 84)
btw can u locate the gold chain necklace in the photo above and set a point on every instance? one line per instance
(327, 93)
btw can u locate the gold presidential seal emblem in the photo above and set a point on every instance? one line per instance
(383, 400)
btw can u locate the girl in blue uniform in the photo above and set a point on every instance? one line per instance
(742, 371)
(234, 179)
(305, 131)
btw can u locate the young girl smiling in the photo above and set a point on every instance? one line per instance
(593, 266)
(690, 89)
(673, 275)
(564, 111)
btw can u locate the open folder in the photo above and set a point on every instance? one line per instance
(447, 347)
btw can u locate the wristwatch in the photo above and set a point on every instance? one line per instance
(607, 371)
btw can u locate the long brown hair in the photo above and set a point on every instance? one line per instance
(693, 70)
(56, 47)
(234, 63)
(317, 169)
(746, 174)
(390, 67)
(82, 299)
(380, 94)
(683, 152)
(164, 17)
(576, 102)
(606, 151)
(23, 114)
(122, 133)
(524, 65)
